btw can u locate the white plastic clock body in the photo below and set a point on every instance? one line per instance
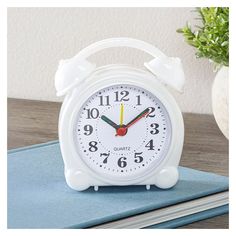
(119, 125)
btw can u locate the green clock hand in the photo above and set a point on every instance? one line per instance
(110, 122)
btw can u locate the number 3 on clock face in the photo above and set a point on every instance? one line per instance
(122, 131)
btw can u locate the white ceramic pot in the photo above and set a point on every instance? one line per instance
(220, 97)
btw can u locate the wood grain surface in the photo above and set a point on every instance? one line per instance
(205, 147)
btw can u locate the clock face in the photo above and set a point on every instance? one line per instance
(122, 131)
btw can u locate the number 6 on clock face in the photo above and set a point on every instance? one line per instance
(122, 130)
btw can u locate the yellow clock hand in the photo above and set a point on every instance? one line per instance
(121, 114)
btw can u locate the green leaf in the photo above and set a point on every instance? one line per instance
(211, 38)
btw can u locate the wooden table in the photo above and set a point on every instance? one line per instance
(205, 148)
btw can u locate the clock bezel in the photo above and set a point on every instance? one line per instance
(102, 78)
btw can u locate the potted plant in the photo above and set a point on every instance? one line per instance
(211, 40)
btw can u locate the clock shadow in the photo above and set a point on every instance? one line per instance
(123, 189)
(180, 188)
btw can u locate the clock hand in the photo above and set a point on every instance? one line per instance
(122, 129)
(110, 122)
(138, 117)
(121, 114)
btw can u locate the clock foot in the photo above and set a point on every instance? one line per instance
(96, 188)
(148, 186)
(167, 177)
(77, 180)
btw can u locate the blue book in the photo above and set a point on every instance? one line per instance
(38, 197)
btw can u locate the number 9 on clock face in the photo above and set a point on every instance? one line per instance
(122, 131)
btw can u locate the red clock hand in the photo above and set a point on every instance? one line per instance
(138, 117)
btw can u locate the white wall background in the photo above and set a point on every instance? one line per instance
(39, 37)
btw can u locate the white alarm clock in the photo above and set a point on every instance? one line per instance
(119, 125)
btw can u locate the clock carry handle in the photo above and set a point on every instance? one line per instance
(74, 71)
